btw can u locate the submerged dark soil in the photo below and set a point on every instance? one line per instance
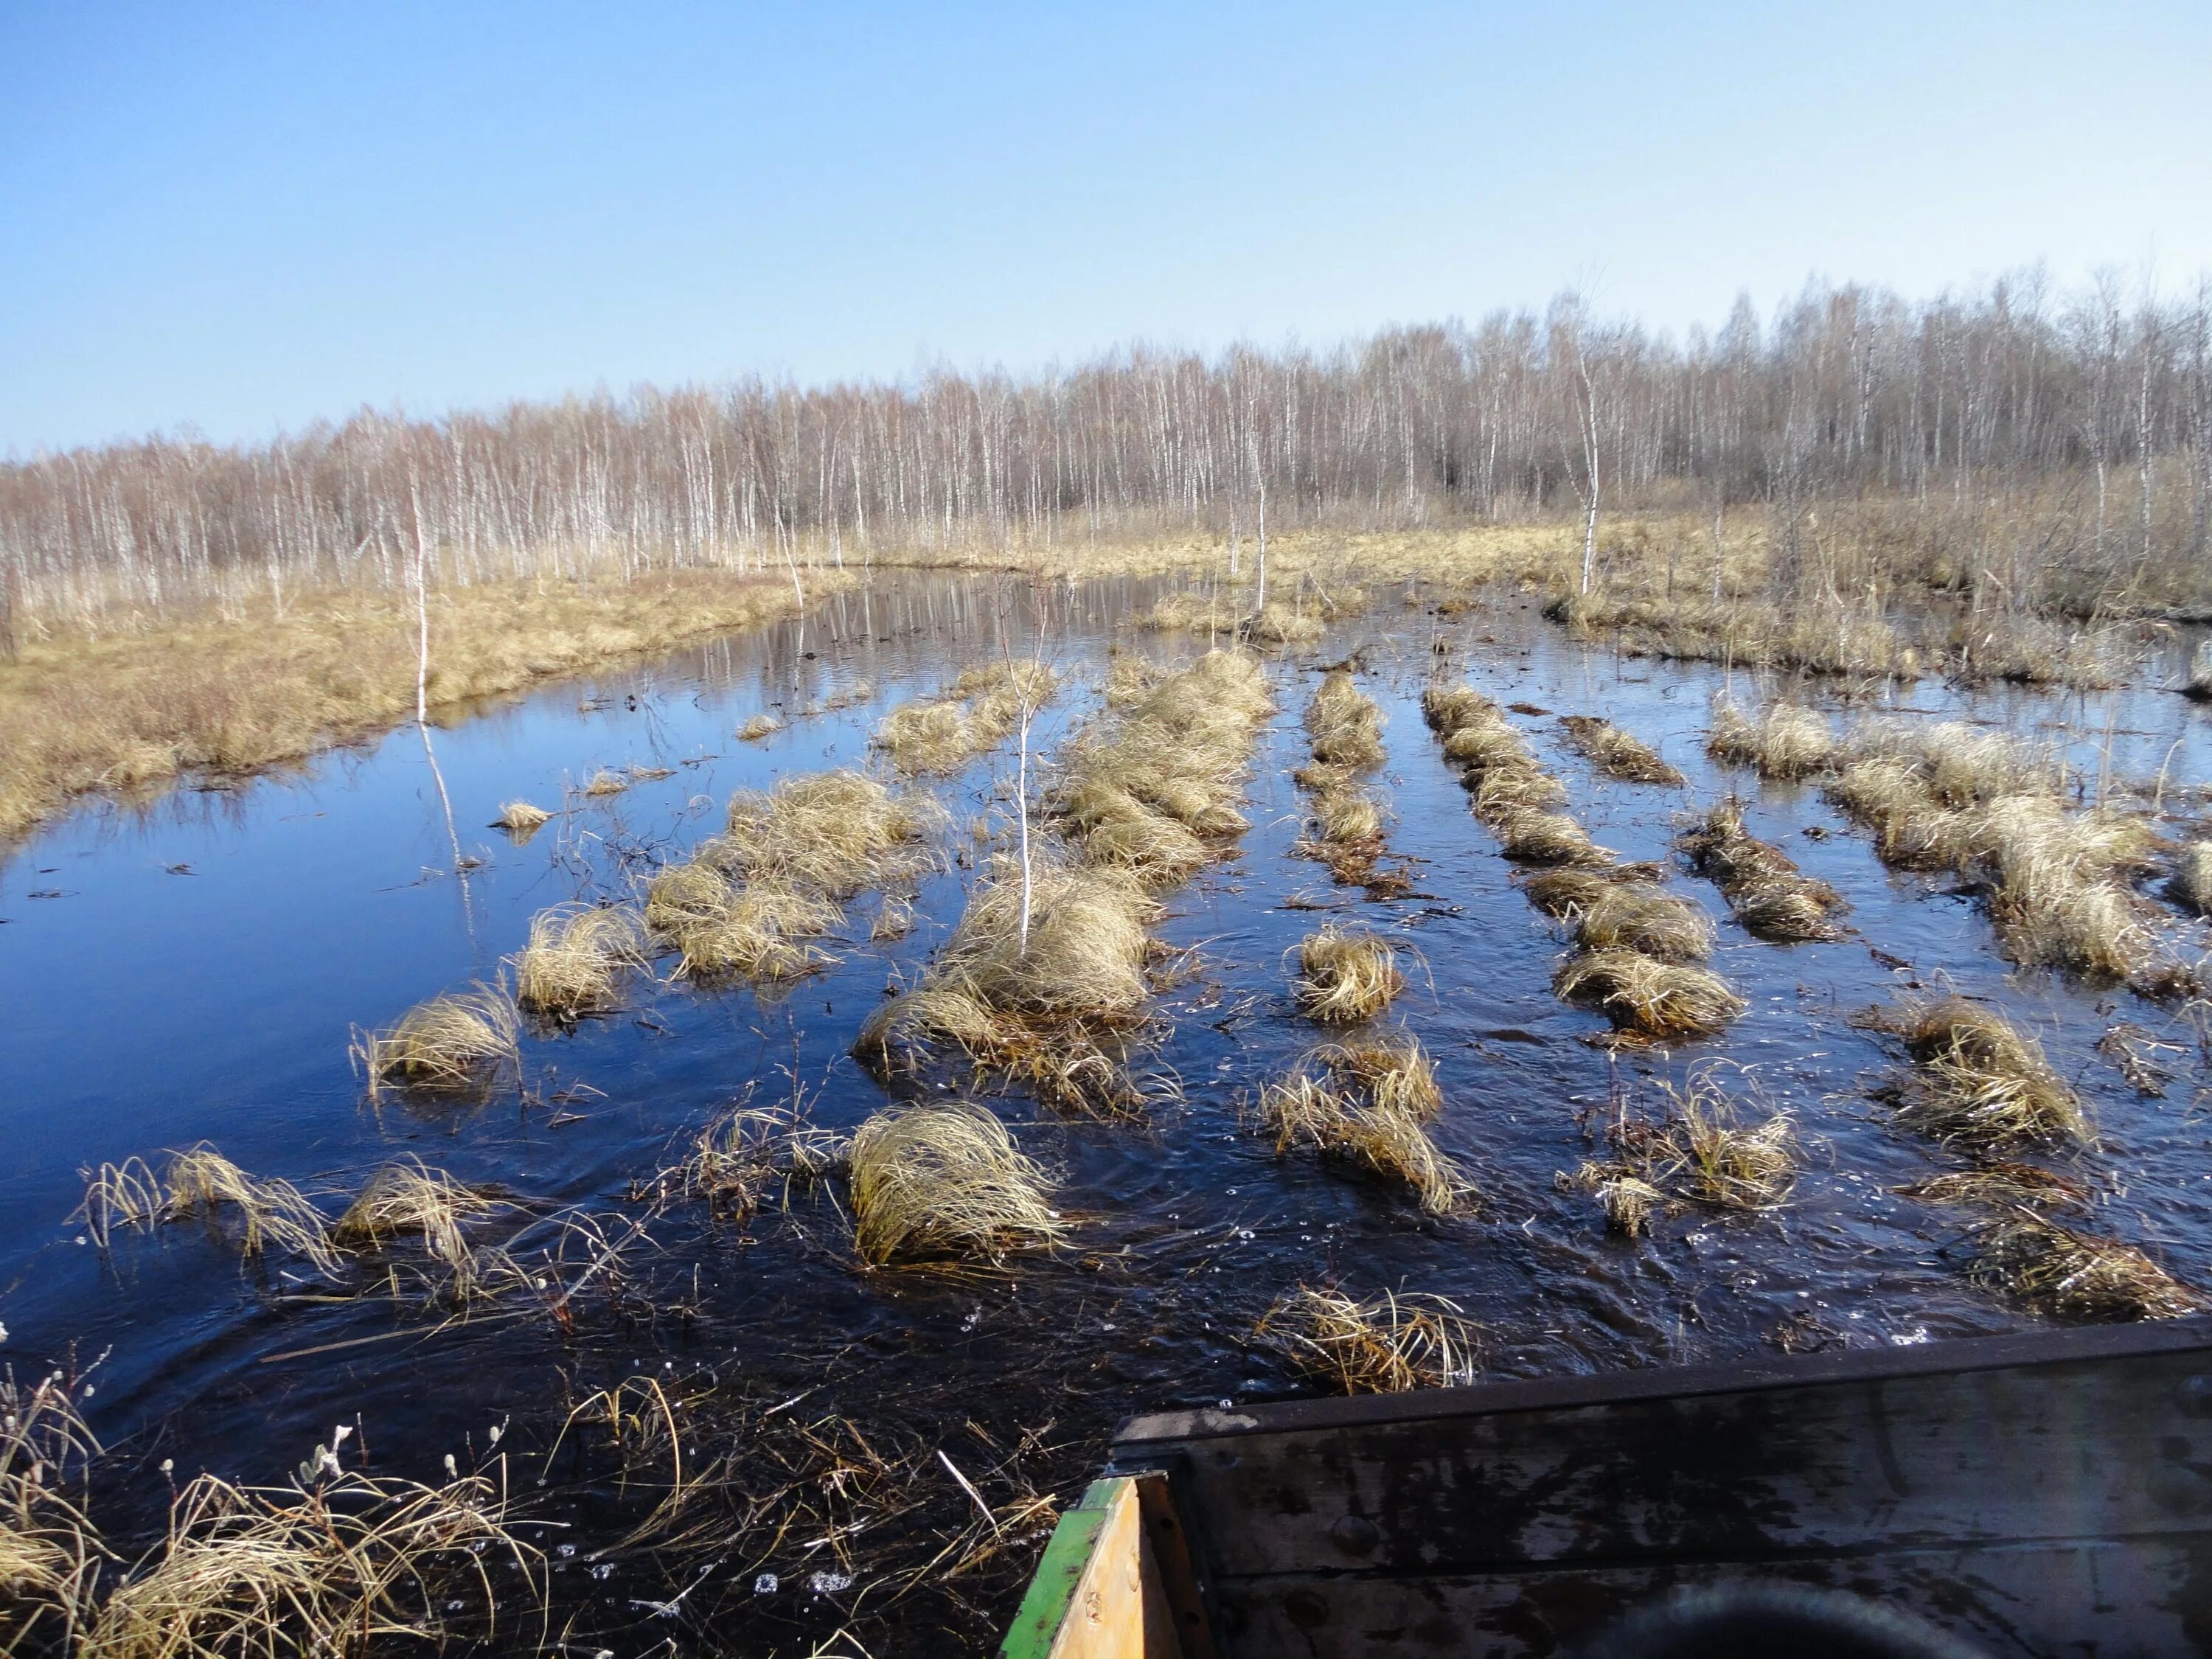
(190, 972)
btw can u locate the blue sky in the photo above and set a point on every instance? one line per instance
(242, 217)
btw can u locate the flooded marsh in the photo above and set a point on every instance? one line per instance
(732, 1201)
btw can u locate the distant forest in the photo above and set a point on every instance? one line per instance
(2051, 446)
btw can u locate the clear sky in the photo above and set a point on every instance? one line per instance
(243, 217)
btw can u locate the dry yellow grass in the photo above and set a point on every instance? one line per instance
(1707, 1151)
(1981, 1081)
(1633, 916)
(1626, 1199)
(1619, 754)
(1819, 636)
(238, 691)
(340, 1566)
(2191, 882)
(1999, 1185)
(604, 782)
(759, 727)
(835, 833)
(1334, 1112)
(576, 960)
(1346, 724)
(945, 1180)
(521, 820)
(1656, 1001)
(408, 1202)
(978, 712)
(460, 1043)
(1528, 836)
(1761, 882)
(1386, 1346)
(1785, 742)
(201, 1182)
(1347, 974)
(2075, 1275)
(51, 1554)
(733, 1159)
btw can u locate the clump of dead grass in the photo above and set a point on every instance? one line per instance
(576, 959)
(521, 820)
(1999, 1184)
(1387, 1344)
(2191, 882)
(1981, 1081)
(1628, 1201)
(1709, 1149)
(735, 1158)
(2075, 1275)
(1762, 884)
(758, 727)
(1528, 836)
(1819, 636)
(946, 1180)
(341, 1564)
(1786, 741)
(200, 1182)
(604, 782)
(1653, 1001)
(1329, 1105)
(1618, 753)
(1634, 916)
(407, 1201)
(51, 1554)
(834, 833)
(979, 711)
(1347, 974)
(1346, 723)
(462, 1043)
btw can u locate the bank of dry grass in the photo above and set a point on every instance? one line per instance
(234, 693)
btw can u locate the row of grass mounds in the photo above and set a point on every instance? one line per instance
(1043, 979)
(1367, 1104)
(1819, 635)
(1618, 753)
(979, 711)
(1711, 1148)
(1345, 819)
(1991, 808)
(1770, 896)
(1637, 949)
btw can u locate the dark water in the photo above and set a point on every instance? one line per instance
(197, 974)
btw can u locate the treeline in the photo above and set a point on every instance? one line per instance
(2062, 438)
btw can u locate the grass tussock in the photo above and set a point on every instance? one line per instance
(1652, 1002)
(1528, 836)
(463, 1043)
(407, 1202)
(1817, 636)
(1330, 1107)
(832, 833)
(978, 712)
(2191, 882)
(1345, 722)
(734, 1160)
(2075, 1275)
(946, 1181)
(758, 727)
(342, 1565)
(1770, 896)
(1786, 741)
(1981, 1081)
(1386, 1346)
(200, 1182)
(1618, 753)
(1347, 974)
(2000, 1184)
(602, 782)
(576, 961)
(1633, 916)
(521, 820)
(1709, 1149)
(1625, 1198)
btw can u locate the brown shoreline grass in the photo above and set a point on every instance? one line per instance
(234, 693)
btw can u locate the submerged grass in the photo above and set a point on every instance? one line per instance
(1347, 974)
(2075, 1275)
(1709, 1149)
(1999, 1184)
(1387, 1344)
(1981, 1081)
(462, 1043)
(1618, 753)
(945, 1180)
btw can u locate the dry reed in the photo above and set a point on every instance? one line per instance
(1347, 974)
(575, 961)
(460, 1043)
(1617, 753)
(1386, 1346)
(1333, 1113)
(734, 1158)
(51, 1554)
(521, 820)
(945, 1180)
(2075, 1275)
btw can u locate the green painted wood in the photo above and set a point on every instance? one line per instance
(1051, 1593)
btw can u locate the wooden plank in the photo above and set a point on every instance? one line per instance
(1096, 1595)
(1675, 1381)
(2090, 1450)
(2144, 1600)
(1168, 1552)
